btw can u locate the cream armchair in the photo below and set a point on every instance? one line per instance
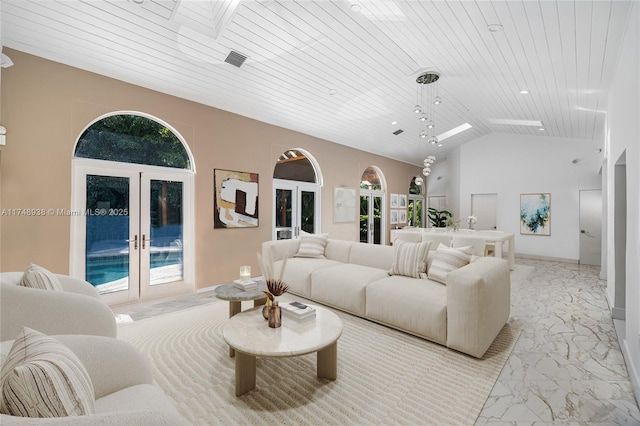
(76, 310)
(123, 385)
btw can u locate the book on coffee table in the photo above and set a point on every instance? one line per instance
(245, 285)
(298, 310)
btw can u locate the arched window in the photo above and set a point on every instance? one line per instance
(133, 179)
(131, 138)
(297, 184)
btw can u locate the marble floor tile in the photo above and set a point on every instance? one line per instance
(566, 368)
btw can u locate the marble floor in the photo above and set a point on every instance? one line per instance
(566, 368)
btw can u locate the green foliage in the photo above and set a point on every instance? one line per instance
(439, 218)
(132, 139)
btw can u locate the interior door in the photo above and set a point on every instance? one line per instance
(484, 208)
(296, 209)
(590, 227)
(129, 241)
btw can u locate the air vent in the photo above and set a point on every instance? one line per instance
(397, 132)
(235, 58)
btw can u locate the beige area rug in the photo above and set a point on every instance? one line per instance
(384, 376)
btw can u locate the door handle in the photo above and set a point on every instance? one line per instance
(144, 239)
(135, 242)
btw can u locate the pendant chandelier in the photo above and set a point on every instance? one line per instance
(426, 111)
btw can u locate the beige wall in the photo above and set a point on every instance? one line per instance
(45, 107)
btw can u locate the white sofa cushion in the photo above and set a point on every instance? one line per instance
(410, 259)
(338, 250)
(447, 259)
(312, 245)
(297, 272)
(343, 285)
(43, 378)
(38, 277)
(416, 306)
(373, 255)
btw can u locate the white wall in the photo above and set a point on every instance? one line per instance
(623, 136)
(510, 165)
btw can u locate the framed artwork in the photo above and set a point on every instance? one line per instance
(402, 216)
(394, 201)
(394, 217)
(235, 199)
(344, 205)
(402, 201)
(535, 214)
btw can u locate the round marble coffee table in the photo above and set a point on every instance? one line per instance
(236, 296)
(249, 334)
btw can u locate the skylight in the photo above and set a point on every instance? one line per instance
(461, 128)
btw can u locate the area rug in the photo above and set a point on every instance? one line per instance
(384, 376)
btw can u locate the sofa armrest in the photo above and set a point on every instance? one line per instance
(478, 304)
(52, 312)
(279, 249)
(76, 285)
(112, 364)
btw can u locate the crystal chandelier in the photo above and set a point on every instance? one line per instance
(426, 112)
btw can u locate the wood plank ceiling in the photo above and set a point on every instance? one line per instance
(345, 70)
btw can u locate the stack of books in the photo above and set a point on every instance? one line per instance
(245, 285)
(298, 311)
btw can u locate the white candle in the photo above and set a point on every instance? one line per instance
(245, 273)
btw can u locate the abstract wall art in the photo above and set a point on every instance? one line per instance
(535, 214)
(235, 199)
(344, 205)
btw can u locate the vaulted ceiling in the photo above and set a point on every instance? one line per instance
(344, 71)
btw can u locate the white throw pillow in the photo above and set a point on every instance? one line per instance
(42, 378)
(447, 259)
(312, 245)
(409, 259)
(38, 277)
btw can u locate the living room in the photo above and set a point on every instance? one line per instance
(46, 105)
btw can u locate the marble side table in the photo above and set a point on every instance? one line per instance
(251, 337)
(236, 296)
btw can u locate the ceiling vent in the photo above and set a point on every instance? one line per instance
(235, 58)
(397, 132)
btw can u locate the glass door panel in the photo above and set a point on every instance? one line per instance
(376, 213)
(308, 211)
(364, 219)
(165, 234)
(283, 214)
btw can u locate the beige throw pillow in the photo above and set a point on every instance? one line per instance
(312, 245)
(42, 378)
(409, 259)
(447, 259)
(37, 277)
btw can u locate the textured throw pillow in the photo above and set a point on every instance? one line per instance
(312, 245)
(42, 378)
(447, 259)
(409, 259)
(37, 277)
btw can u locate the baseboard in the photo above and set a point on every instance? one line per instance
(552, 259)
(632, 371)
(618, 313)
(206, 289)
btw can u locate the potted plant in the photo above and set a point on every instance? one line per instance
(439, 218)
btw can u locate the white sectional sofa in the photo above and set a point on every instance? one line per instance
(466, 314)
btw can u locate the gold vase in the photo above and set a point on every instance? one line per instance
(275, 315)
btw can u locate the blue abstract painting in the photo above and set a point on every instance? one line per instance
(535, 214)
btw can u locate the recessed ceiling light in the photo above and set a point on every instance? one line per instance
(541, 129)
(355, 8)
(332, 92)
(394, 122)
(535, 123)
(494, 28)
(524, 92)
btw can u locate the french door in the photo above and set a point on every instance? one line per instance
(372, 228)
(132, 236)
(296, 208)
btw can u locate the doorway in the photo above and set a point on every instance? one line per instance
(620, 238)
(372, 207)
(484, 208)
(590, 227)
